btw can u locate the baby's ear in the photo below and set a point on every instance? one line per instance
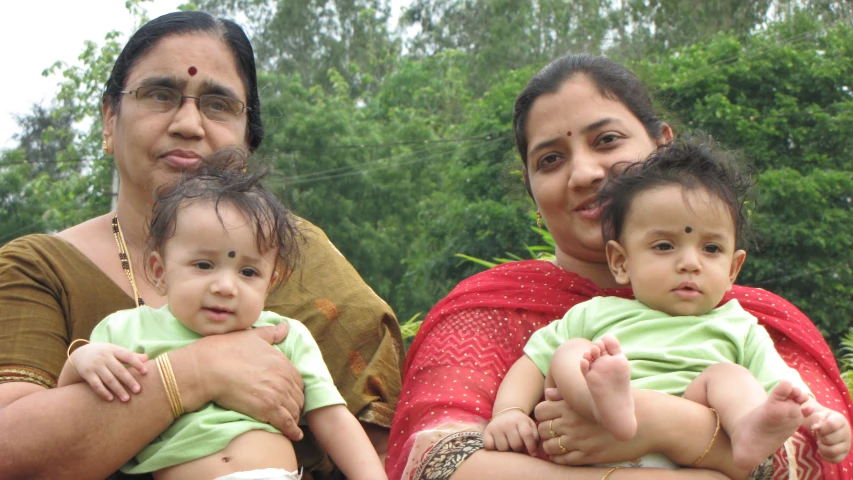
(156, 271)
(273, 279)
(617, 259)
(737, 262)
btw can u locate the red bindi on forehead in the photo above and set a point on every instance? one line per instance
(192, 71)
(569, 133)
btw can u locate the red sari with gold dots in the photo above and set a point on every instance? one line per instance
(471, 338)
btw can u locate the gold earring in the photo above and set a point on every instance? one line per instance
(104, 143)
(538, 219)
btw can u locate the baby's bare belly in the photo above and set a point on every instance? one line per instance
(252, 450)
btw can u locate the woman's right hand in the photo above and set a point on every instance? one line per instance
(585, 440)
(242, 371)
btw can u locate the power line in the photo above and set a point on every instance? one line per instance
(331, 173)
(13, 235)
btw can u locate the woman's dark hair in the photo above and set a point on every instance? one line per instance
(181, 23)
(613, 80)
(221, 179)
(692, 163)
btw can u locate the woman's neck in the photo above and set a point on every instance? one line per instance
(597, 272)
(132, 217)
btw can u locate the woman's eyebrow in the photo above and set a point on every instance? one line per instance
(164, 81)
(545, 144)
(597, 125)
(210, 87)
(585, 130)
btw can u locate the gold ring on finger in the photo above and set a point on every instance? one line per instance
(551, 428)
(560, 444)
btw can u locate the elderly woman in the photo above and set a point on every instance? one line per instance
(183, 87)
(573, 121)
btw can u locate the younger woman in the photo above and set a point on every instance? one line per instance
(673, 225)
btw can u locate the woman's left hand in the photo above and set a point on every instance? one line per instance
(584, 441)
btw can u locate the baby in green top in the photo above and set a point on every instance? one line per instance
(672, 225)
(219, 243)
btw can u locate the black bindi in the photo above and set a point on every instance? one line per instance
(233, 254)
(688, 229)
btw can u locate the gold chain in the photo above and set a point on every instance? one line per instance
(124, 256)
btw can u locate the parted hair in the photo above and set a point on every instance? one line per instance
(691, 162)
(221, 178)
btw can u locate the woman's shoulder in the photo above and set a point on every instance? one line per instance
(39, 246)
(757, 299)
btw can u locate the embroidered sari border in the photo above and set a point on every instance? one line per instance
(21, 373)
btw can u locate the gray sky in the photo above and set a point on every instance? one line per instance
(36, 33)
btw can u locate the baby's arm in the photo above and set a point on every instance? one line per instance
(511, 427)
(831, 429)
(340, 434)
(102, 365)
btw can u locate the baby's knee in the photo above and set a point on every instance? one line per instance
(725, 370)
(571, 350)
(569, 354)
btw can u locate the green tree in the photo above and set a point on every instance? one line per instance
(312, 38)
(502, 35)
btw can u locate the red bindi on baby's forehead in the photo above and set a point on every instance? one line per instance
(192, 71)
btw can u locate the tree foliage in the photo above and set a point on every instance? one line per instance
(397, 141)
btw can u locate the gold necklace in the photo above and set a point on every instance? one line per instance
(124, 256)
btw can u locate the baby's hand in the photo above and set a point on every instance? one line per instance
(832, 432)
(102, 365)
(512, 430)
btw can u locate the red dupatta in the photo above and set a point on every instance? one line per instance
(471, 338)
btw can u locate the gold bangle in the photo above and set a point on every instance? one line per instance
(710, 445)
(170, 385)
(71, 345)
(68, 350)
(508, 409)
(609, 472)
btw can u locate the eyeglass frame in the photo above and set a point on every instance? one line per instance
(197, 99)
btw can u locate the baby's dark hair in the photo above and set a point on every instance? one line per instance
(693, 163)
(222, 178)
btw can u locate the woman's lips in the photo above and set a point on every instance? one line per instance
(590, 211)
(181, 159)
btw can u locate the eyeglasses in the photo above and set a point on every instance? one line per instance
(216, 108)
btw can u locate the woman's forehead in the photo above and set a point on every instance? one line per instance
(579, 100)
(189, 62)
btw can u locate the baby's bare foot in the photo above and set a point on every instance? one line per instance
(762, 431)
(608, 377)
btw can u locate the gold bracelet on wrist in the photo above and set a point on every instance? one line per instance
(609, 472)
(68, 351)
(506, 410)
(170, 385)
(711, 444)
